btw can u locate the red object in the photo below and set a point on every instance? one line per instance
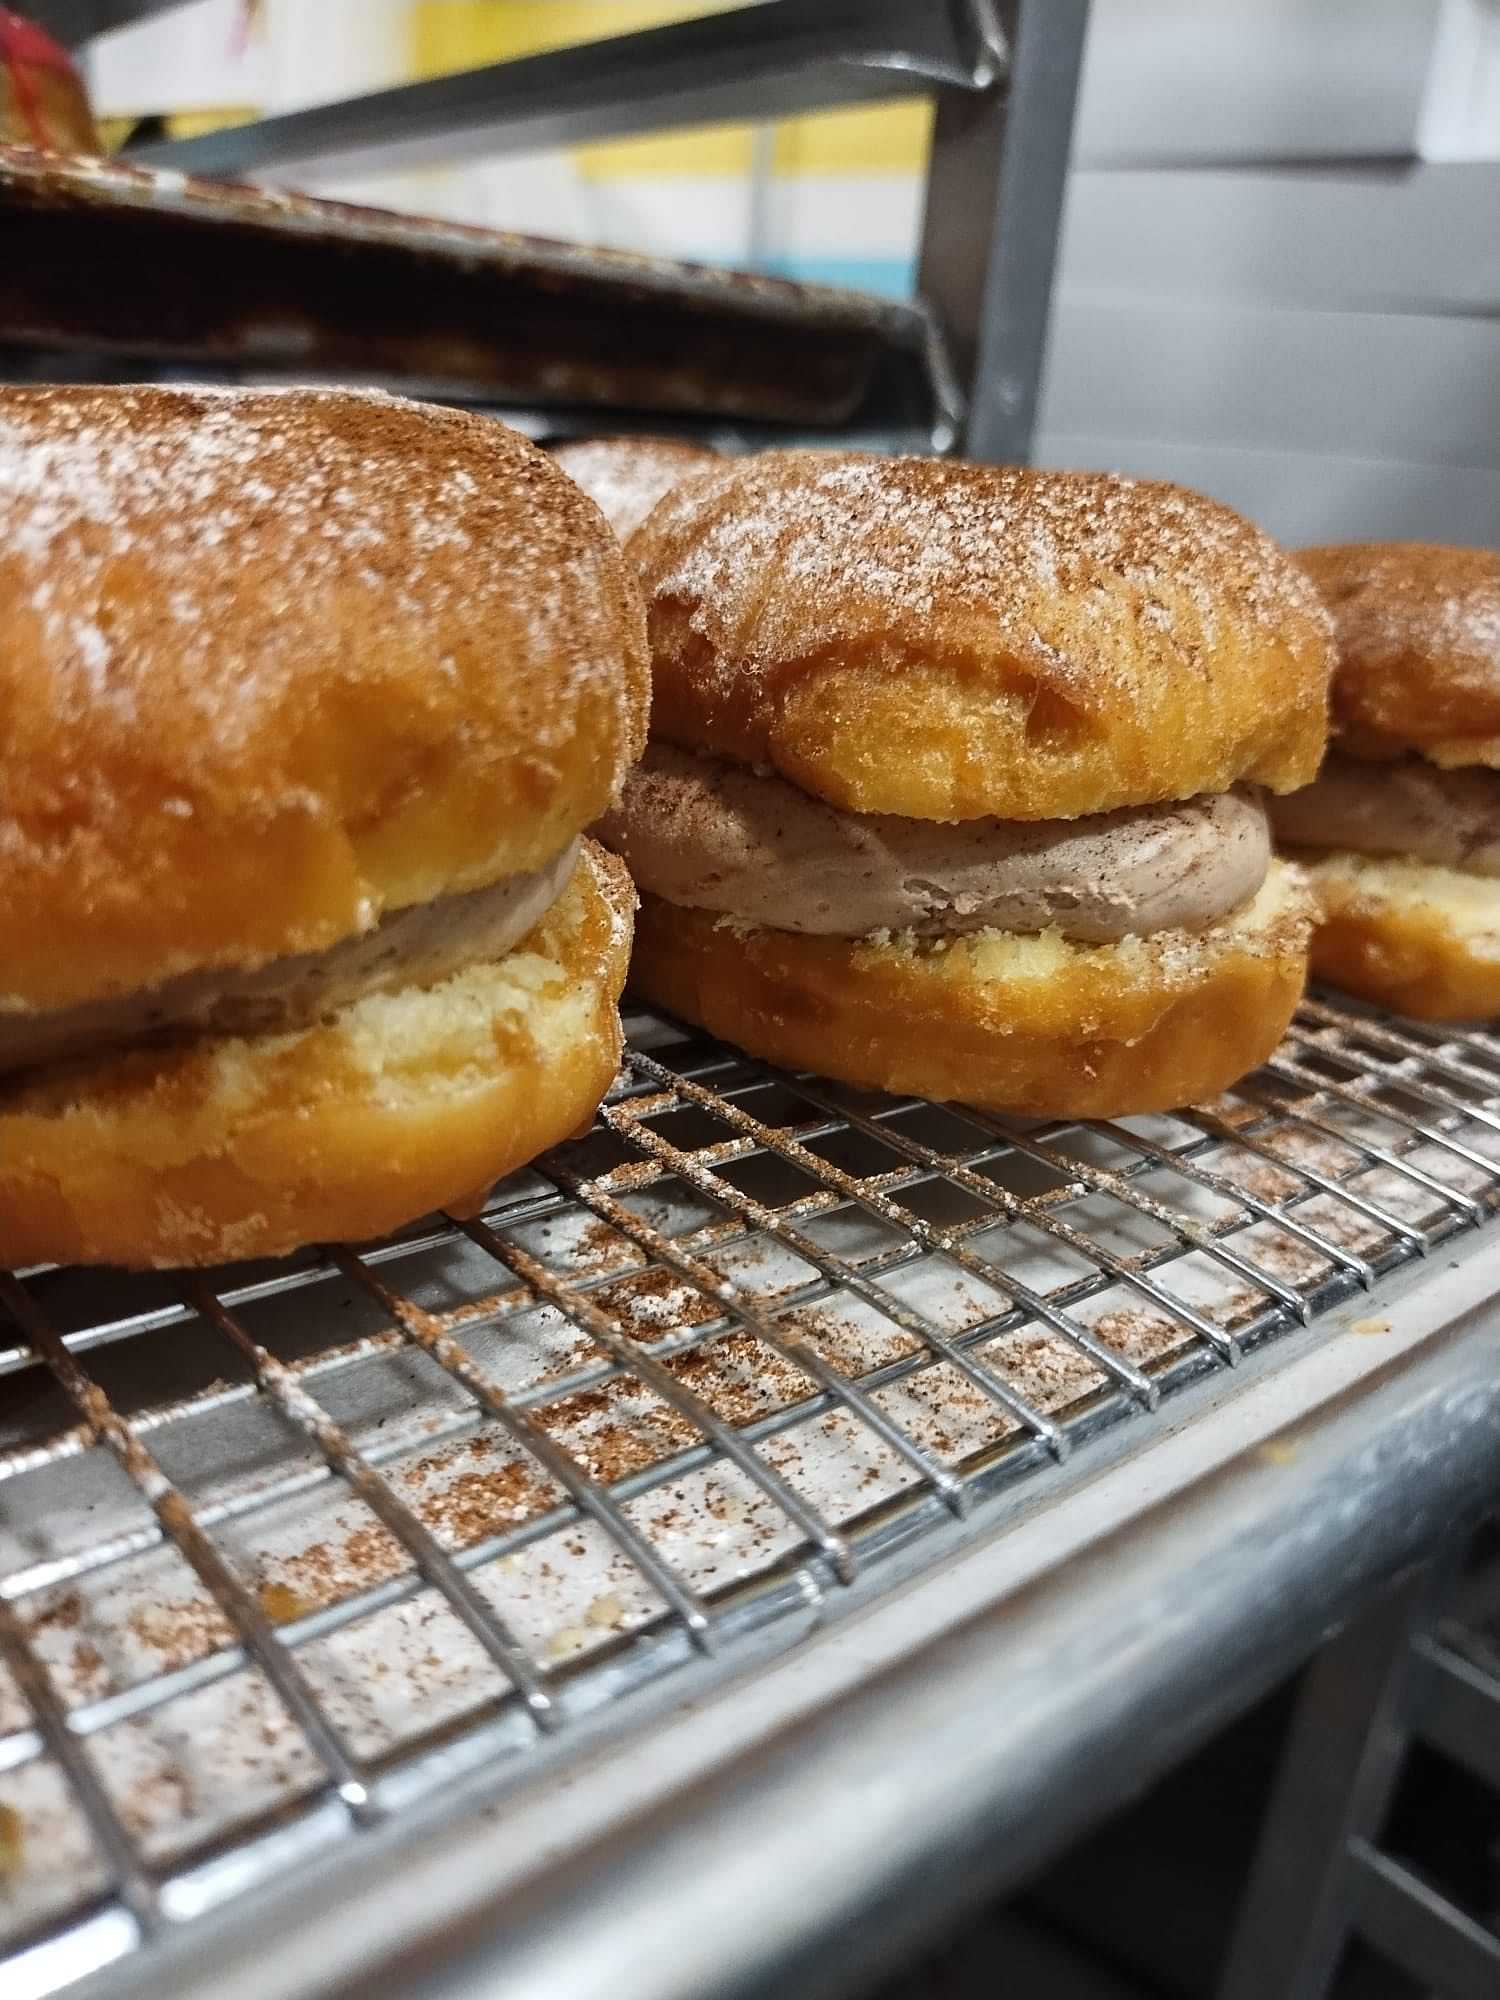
(22, 41)
(28, 55)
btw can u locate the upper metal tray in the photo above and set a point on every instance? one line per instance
(116, 260)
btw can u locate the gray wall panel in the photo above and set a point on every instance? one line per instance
(1394, 239)
(1370, 385)
(1308, 497)
(1253, 79)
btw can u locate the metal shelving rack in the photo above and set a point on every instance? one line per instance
(787, 1512)
(1420, 1667)
(1003, 75)
(339, 1594)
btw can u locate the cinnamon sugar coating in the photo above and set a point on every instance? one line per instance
(277, 663)
(626, 476)
(1418, 632)
(951, 641)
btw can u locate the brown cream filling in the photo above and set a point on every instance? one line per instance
(413, 947)
(708, 835)
(1409, 808)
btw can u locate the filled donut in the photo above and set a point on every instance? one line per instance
(956, 778)
(1400, 831)
(307, 698)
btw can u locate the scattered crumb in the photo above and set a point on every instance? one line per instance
(1141, 1337)
(182, 1633)
(88, 1667)
(656, 1303)
(63, 1614)
(565, 1643)
(12, 1842)
(398, 1670)
(281, 1604)
(465, 1506)
(327, 1572)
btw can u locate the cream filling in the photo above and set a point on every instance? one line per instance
(412, 948)
(1409, 808)
(707, 835)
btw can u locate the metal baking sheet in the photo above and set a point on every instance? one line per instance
(102, 258)
(295, 1552)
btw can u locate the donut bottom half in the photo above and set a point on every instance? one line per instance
(394, 1105)
(1419, 939)
(1034, 1025)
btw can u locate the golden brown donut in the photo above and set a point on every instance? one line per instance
(397, 1104)
(626, 476)
(277, 663)
(1420, 939)
(1418, 630)
(944, 642)
(1033, 1025)
(952, 641)
(1418, 677)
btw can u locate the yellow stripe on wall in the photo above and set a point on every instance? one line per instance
(180, 124)
(448, 35)
(864, 139)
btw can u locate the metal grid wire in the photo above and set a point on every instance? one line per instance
(283, 1549)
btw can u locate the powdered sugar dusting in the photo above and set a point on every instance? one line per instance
(226, 511)
(619, 899)
(1418, 629)
(277, 663)
(952, 641)
(626, 476)
(923, 536)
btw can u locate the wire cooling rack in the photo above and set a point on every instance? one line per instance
(286, 1549)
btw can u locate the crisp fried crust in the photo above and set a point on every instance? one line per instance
(1418, 630)
(1034, 1025)
(951, 641)
(1421, 939)
(398, 1104)
(275, 664)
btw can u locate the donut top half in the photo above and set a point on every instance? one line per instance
(914, 694)
(1414, 765)
(288, 675)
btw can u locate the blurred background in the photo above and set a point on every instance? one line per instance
(1280, 263)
